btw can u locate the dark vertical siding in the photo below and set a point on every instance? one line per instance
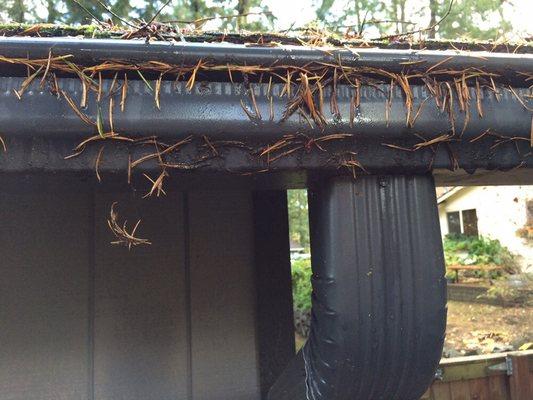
(84, 320)
(44, 248)
(140, 341)
(223, 296)
(275, 331)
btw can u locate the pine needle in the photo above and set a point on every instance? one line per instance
(520, 99)
(124, 237)
(157, 184)
(124, 93)
(76, 110)
(111, 107)
(530, 138)
(100, 122)
(4, 147)
(97, 163)
(27, 82)
(158, 91)
(145, 81)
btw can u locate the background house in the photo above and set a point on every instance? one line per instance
(499, 212)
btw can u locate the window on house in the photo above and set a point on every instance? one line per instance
(454, 223)
(462, 222)
(470, 222)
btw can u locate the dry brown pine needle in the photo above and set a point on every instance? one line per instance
(4, 147)
(121, 233)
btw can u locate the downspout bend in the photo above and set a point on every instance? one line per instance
(379, 293)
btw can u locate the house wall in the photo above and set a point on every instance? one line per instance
(183, 318)
(501, 211)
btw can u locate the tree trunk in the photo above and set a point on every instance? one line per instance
(243, 7)
(52, 12)
(358, 17)
(433, 9)
(402, 16)
(394, 15)
(17, 11)
(195, 8)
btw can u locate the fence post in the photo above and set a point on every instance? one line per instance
(521, 379)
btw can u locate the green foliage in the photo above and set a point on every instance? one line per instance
(185, 10)
(472, 250)
(85, 11)
(469, 19)
(298, 217)
(450, 276)
(76, 14)
(301, 285)
(64, 11)
(243, 7)
(459, 249)
(88, 31)
(53, 13)
(16, 10)
(122, 8)
(355, 15)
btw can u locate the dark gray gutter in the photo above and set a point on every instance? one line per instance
(90, 51)
(216, 109)
(41, 128)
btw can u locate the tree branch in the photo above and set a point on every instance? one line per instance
(89, 12)
(429, 28)
(206, 19)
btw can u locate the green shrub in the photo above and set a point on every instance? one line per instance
(474, 250)
(301, 285)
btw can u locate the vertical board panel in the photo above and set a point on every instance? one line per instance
(479, 389)
(460, 390)
(275, 320)
(140, 303)
(85, 320)
(441, 391)
(521, 381)
(498, 387)
(224, 358)
(44, 254)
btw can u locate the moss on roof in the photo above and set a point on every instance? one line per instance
(169, 32)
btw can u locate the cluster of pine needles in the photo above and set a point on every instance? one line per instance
(123, 235)
(304, 88)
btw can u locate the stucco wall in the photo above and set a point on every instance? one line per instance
(501, 211)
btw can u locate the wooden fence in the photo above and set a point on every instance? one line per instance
(489, 377)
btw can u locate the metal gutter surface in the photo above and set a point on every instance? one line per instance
(41, 128)
(91, 51)
(216, 109)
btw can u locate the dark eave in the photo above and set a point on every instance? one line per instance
(243, 128)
